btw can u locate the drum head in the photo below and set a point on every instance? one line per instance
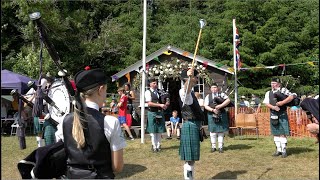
(59, 94)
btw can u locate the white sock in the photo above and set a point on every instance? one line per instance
(153, 140)
(277, 142)
(283, 141)
(188, 171)
(220, 140)
(213, 137)
(158, 139)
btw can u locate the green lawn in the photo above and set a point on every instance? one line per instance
(243, 159)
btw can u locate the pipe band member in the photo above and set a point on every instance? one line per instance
(93, 141)
(218, 121)
(279, 123)
(156, 121)
(189, 149)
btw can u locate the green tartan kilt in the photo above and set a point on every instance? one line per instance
(190, 141)
(283, 127)
(37, 126)
(152, 126)
(49, 133)
(221, 126)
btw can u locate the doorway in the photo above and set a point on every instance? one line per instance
(173, 86)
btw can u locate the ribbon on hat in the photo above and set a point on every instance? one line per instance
(87, 68)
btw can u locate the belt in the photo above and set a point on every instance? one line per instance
(154, 109)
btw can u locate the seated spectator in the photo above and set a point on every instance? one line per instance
(173, 127)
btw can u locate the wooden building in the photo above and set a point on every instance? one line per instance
(215, 73)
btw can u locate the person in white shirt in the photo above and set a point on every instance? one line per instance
(94, 142)
(279, 123)
(218, 122)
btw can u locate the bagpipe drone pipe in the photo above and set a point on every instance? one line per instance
(164, 96)
(52, 51)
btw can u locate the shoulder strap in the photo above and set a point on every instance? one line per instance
(210, 98)
(271, 98)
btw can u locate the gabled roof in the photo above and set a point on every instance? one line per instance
(136, 66)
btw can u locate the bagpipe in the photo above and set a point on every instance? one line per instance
(280, 96)
(59, 96)
(164, 96)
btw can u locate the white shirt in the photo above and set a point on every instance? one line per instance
(112, 130)
(282, 90)
(189, 99)
(147, 95)
(222, 95)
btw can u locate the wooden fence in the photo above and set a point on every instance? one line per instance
(297, 127)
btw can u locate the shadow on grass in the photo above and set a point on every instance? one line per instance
(170, 147)
(298, 150)
(237, 146)
(228, 174)
(129, 170)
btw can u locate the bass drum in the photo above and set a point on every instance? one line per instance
(60, 96)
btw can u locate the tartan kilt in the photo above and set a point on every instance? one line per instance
(37, 126)
(283, 127)
(189, 149)
(221, 126)
(152, 126)
(49, 133)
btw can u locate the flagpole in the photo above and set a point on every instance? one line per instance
(235, 70)
(143, 84)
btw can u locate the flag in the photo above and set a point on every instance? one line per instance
(237, 42)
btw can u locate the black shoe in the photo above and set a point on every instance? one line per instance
(284, 154)
(169, 137)
(155, 150)
(213, 149)
(277, 153)
(158, 149)
(220, 150)
(178, 137)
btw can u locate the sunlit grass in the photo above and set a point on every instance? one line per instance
(246, 158)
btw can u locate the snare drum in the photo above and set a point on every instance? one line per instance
(59, 94)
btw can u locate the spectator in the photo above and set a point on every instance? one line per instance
(113, 106)
(243, 102)
(173, 125)
(122, 105)
(255, 101)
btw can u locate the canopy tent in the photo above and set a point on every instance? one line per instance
(11, 80)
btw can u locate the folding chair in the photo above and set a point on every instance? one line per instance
(250, 122)
(238, 123)
(14, 128)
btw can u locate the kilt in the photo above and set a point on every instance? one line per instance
(221, 126)
(189, 149)
(283, 127)
(37, 126)
(152, 126)
(49, 133)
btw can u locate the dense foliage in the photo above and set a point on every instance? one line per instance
(109, 34)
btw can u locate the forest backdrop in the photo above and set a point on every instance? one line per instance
(108, 34)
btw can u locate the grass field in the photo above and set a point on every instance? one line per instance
(246, 158)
